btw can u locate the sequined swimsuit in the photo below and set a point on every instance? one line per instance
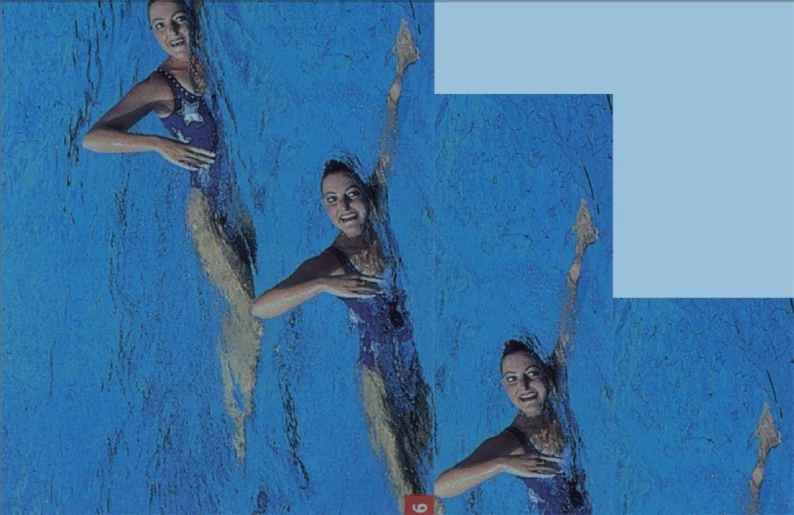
(562, 494)
(382, 321)
(386, 347)
(192, 123)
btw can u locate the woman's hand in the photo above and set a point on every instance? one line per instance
(184, 155)
(532, 465)
(353, 286)
(320, 274)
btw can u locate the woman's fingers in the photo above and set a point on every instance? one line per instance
(202, 151)
(357, 286)
(372, 278)
(548, 463)
(184, 163)
(536, 465)
(368, 282)
(537, 473)
(362, 281)
(194, 161)
(201, 156)
(366, 288)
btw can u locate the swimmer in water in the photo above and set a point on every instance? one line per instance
(220, 225)
(394, 393)
(540, 445)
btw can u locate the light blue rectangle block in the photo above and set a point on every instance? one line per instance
(703, 125)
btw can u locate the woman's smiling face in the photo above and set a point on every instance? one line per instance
(171, 27)
(524, 383)
(345, 203)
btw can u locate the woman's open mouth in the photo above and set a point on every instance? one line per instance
(348, 217)
(528, 397)
(177, 42)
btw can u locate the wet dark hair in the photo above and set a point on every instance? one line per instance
(183, 2)
(333, 166)
(527, 345)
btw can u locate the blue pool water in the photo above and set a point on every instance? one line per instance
(692, 378)
(112, 394)
(667, 393)
(512, 172)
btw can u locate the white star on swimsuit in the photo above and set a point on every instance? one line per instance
(181, 137)
(189, 112)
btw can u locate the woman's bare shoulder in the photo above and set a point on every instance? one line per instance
(500, 445)
(323, 264)
(156, 85)
(511, 440)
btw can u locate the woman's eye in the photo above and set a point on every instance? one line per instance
(353, 194)
(159, 25)
(181, 19)
(532, 374)
(330, 200)
(510, 379)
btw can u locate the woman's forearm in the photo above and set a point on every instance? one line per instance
(458, 479)
(108, 140)
(280, 299)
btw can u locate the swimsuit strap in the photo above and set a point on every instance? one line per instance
(175, 83)
(344, 260)
(522, 439)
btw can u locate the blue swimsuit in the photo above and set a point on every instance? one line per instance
(561, 494)
(386, 333)
(191, 122)
(387, 348)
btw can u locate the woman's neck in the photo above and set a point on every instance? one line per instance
(190, 70)
(358, 242)
(543, 430)
(543, 419)
(174, 64)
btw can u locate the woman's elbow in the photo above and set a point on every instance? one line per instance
(264, 309)
(439, 491)
(91, 141)
(260, 311)
(443, 488)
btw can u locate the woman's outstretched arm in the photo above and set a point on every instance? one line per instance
(502, 453)
(320, 274)
(586, 234)
(407, 54)
(110, 134)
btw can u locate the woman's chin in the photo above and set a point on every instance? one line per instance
(182, 56)
(180, 53)
(352, 230)
(350, 234)
(531, 411)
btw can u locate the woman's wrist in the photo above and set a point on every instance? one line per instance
(153, 142)
(500, 464)
(319, 285)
